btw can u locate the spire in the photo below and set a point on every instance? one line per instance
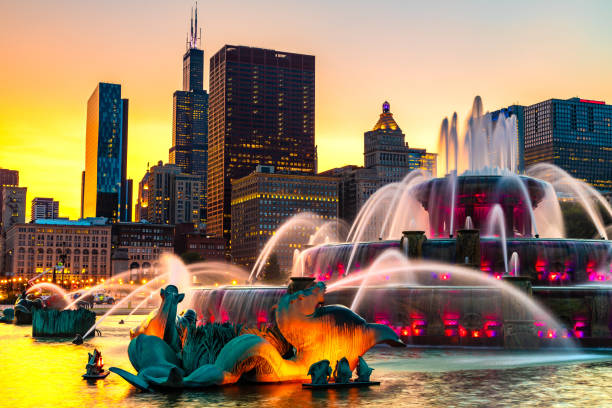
(386, 121)
(192, 41)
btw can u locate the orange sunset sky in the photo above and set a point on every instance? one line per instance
(427, 58)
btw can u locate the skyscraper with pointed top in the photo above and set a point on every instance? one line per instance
(189, 148)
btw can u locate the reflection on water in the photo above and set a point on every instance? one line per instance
(44, 373)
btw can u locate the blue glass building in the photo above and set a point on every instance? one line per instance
(106, 191)
(519, 112)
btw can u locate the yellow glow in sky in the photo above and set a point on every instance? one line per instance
(427, 60)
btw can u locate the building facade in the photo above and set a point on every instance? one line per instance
(187, 239)
(144, 243)
(189, 148)
(574, 134)
(355, 185)
(9, 177)
(12, 206)
(261, 112)
(388, 154)
(105, 187)
(387, 159)
(44, 208)
(167, 196)
(81, 247)
(263, 200)
(518, 112)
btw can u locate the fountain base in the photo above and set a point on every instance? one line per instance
(65, 323)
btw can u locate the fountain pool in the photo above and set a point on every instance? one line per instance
(409, 376)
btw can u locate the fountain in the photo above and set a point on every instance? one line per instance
(421, 218)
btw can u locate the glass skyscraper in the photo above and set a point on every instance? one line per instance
(189, 149)
(261, 112)
(105, 187)
(574, 134)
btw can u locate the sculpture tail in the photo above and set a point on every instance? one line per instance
(255, 355)
(384, 334)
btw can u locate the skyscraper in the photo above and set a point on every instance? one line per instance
(105, 191)
(167, 196)
(574, 134)
(189, 148)
(261, 112)
(44, 208)
(387, 159)
(386, 151)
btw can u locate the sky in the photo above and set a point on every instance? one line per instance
(428, 59)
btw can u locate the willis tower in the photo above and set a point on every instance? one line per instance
(189, 148)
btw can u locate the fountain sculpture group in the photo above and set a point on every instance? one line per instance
(168, 352)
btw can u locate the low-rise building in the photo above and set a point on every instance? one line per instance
(143, 243)
(188, 239)
(79, 251)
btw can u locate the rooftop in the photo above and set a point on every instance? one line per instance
(386, 121)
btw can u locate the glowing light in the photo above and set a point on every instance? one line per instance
(234, 282)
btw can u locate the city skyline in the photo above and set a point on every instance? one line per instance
(43, 109)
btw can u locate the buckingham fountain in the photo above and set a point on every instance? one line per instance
(475, 258)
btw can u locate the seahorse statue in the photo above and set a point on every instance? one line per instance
(316, 332)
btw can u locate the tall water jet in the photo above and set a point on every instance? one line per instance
(497, 222)
(527, 204)
(297, 229)
(515, 264)
(468, 223)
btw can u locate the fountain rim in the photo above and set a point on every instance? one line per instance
(446, 239)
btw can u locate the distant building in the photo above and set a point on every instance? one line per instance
(189, 148)
(386, 151)
(261, 112)
(144, 243)
(105, 189)
(355, 185)
(81, 247)
(387, 159)
(263, 200)
(9, 177)
(167, 196)
(187, 239)
(44, 208)
(517, 111)
(574, 134)
(12, 206)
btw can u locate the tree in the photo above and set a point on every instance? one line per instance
(191, 257)
(272, 271)
(578, 223)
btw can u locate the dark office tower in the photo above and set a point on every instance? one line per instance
(189, 149)
(104, 193)
(574, 134)
(261, 112)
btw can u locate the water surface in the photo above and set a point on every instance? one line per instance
(48, 374)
